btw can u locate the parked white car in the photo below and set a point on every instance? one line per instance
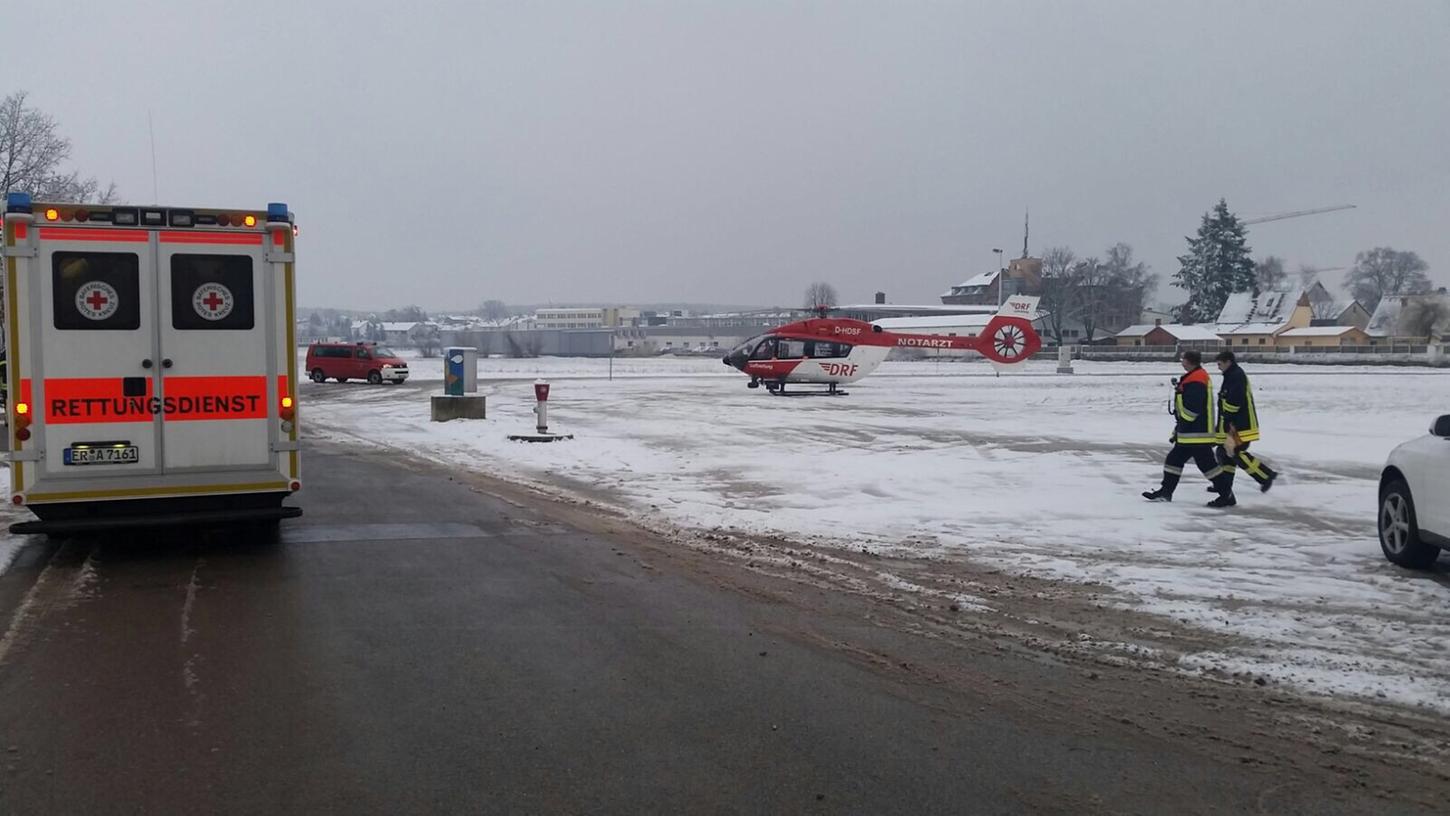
(1414, 517)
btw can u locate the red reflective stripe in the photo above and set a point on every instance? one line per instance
(25, 393)
(80, 400)
(211, 238)
(88, 234)
(77, 400)
(278, 239)
(208, 398)
(21, 230)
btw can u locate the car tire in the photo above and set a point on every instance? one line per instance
(375, 377)
(1399, 531)
(318, 376)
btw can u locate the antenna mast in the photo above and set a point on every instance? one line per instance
(155, 187)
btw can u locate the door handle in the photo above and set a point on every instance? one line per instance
(146, 363)
(166, 362)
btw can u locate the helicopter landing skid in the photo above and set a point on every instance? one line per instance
(832, 391)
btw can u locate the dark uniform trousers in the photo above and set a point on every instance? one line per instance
(1203, 456)
(1241, 459)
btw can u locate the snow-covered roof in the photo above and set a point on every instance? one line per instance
(1319, 331)
(1386, 320)
(1179, 331)
(398, 327)
(968, 322)
(984, 279)
(918, 311)
(1267, 307)
(1250, 328)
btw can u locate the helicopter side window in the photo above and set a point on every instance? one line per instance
(825, 350)
(792, 349)
(764, 351)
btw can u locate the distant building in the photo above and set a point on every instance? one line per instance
(1412, 317)
(1023, 276)
(1159, 333)
(1254, 320)
(1321, 336)
(589, 317)
(1328, 310)
(585, 318)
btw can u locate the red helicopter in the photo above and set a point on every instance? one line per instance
(837, 351)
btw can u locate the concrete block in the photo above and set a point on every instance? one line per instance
(469, 406)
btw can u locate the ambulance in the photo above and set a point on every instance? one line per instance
(152, 365)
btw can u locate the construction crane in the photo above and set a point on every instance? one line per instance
(1296, 214)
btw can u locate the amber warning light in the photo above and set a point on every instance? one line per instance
(22, 421)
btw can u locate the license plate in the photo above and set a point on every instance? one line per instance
(119, 455)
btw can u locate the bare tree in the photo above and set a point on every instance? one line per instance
(1308, 275)
(1383, 271)
(32, 152)
(1089, 278)
(1059, 290)
(821, 294)
(1128, 284)
(494, 310)
(1270, 273)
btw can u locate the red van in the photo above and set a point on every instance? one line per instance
(355, 361)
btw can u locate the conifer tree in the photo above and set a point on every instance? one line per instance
(1217, 265)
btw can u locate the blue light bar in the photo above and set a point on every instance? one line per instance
(276, 212)
(17, 202)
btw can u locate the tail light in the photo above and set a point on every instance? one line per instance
(288, 410)
(22, 421)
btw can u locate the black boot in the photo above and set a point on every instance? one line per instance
(1159, 495)
(1268, 483)
(1224, 501)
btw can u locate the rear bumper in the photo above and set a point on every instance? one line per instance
(183, 518)
(130, 514)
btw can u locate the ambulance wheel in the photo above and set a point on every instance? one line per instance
(375, 377)
(318, 376)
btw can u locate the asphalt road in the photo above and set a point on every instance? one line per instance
(413, 645)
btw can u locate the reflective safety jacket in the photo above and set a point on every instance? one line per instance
(1236, 407)
(1193, 410)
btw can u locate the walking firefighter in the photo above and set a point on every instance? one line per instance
(1238, 426)
(1194, 435)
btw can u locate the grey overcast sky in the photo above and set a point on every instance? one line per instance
(732, 151)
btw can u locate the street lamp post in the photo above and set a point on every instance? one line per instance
(1001, 282)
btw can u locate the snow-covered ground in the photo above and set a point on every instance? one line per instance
(1034, 472)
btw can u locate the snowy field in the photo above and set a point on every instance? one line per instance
(1033, 472)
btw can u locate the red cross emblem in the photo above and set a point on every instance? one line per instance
(212, 300)
(97, 300)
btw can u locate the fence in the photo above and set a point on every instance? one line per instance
(1385, 354)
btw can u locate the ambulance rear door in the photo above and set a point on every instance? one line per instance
(97, 374)
(219, 378)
